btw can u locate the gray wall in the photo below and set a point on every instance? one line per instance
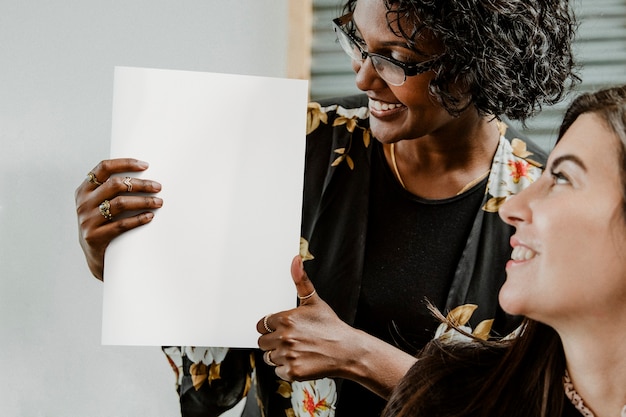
(56, 68)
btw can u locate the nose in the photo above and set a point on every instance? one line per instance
(367, 77)
(509, 212)
(517, 209)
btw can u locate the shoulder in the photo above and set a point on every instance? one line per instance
(350, 110)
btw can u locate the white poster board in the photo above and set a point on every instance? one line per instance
(229, 153)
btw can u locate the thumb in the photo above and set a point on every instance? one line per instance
(304, 286)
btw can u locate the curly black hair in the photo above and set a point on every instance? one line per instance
(512, 56)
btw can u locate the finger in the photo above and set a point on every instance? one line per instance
(124, 204)
(264, 326)
(103, 171)
(103, 235)
(267, 341)
(128, 223)
(117, 184)
(267, 358)
(114, 191)
(304, 286)
(108, 167)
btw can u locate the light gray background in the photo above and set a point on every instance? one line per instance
(56, 73)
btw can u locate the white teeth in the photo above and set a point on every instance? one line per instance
(377, 105)
(522, 253)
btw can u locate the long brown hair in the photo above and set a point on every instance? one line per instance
(518, 377)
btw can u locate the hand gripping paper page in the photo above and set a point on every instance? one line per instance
(229, 153)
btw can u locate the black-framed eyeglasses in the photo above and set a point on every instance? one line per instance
(391, 70)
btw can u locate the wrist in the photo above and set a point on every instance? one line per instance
(376, 364)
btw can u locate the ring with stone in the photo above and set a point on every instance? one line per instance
(105, 209)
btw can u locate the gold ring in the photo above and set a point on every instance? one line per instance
(105, 209)
(93, 179)
(128, 184)
(267, 359)
(306, 297)
(267, 327)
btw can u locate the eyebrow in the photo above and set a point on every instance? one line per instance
(572, 158)
(387, 44)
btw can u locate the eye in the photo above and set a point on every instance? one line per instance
(404, 58)
(559, 178)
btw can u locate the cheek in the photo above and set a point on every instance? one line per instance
(415, 92)
(424, 113)
(576, 239)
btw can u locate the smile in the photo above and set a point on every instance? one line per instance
(522, 253)
(381, 106)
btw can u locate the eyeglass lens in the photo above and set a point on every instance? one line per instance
(387, 70)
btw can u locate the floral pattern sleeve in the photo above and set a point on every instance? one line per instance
(210, 380)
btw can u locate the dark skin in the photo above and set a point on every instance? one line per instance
(96, 232)
(436, 153)
(311, 342)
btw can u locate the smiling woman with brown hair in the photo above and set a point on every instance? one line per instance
(567, 274)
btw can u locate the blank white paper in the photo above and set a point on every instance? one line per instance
(229, 153)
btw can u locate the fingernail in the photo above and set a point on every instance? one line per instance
(143, 164)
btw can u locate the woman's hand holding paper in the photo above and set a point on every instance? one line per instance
(108, 205)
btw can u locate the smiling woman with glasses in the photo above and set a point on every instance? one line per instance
(400, 203)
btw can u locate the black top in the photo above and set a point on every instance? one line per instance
(413, 246)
